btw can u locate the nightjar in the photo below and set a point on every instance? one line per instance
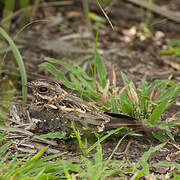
(54, 109)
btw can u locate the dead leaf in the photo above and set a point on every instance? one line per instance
(114, 77)
(31, 127)
(172, 64)
(105, 93)
(175, 156)
(39, 147)
(156, 96)
(74, 14)
(134, 94)
(5, 83)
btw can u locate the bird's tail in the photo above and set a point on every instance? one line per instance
(118, 120)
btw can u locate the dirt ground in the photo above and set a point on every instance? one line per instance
(63, 32)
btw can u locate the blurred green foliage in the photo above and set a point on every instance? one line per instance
(9, 7)
(174, 48)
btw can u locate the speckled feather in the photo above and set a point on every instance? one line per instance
(54, 109)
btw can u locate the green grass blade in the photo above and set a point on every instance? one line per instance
(153, 85)
(77, 83)
(158, 112)
(168, 164)
(53, 135)
(29, 164)
(24, 3)
(174, 42)
(168, 94)
(72, 166)
(162, 107)
(126, 105)
(58, 74)
(86, 13)
(19, 62)
(114, 106)
(160, 137)
(68, 176)
(115, 149)
(99, 156)
(77, 70)
(126, 81)
(175, 51)
(2, 137)
(143, 161)
(88, 84)
(84, 74)
(4, 147)
(103, 138)
(101, 70)
(7, 11)
(49, 157)
(14, 164)
(95, 57)
(78, 136)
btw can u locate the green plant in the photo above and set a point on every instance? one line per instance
(6, 95)
(98, 20)
(86, 12)
(84, 147)
(174, 48)
(7, 11)
(34, 168)
(21, 167)
(57, 135)
(43, 168)
(148, 14)
(97, 168)
(19, 62)
(108, 2)
(23, 6)
(145, 26)
(176, 165)
(143, 162)
(147, 101)
(145, 30)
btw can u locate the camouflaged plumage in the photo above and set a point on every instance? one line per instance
(53, 109)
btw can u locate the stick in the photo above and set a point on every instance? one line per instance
(157, 9)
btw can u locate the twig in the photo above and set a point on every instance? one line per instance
(157, 9)
(18, 130)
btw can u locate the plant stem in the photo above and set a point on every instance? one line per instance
(86, 12)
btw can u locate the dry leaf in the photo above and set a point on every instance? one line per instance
(114, 77)
(31, 127)
(156, 96)
(74, 14)
(134, 94)
(99, 87)
(105, 93)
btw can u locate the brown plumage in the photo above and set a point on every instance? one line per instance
(53, 109)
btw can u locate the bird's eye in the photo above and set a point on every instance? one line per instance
(43, 89)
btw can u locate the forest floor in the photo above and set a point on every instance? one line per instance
(64, 33)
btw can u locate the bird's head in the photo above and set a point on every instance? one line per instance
(44, 90)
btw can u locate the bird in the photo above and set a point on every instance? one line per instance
(54, 109)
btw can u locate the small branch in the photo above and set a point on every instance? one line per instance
(157, 9)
